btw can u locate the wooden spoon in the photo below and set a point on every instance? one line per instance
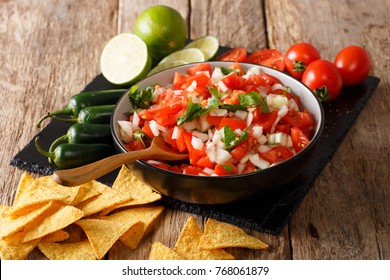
(83, 174)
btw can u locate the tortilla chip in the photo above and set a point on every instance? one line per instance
(127, 182)
(12, 249)
(70, 192)
(34, 193)
(146, 215)
(11, 225)
(103, 233)
(106, 199)
(188, 241)
(161, 252)
(222, 235)
(59, 218)
(84, 193)
(71, 251)
(57, 236)
(25, 180)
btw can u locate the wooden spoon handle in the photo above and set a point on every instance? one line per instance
(92, 171)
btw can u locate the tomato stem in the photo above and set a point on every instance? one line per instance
(322, 93)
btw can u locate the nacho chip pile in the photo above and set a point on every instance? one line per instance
(84, 222)
(192, 244)
(73, 223)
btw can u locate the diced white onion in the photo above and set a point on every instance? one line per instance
(241, 115)
(222, 86)
(264, 148)
(204, 125)
(245, 158)
(196, 143)
(262, 139)
(208, 171)
(151, 161)
(156, 128)
(218, 112)
(278, 138)
(274, 124)
(289, 141)
(292, 105)
(240, 167)
(263, 91)
(216, 75)
(222, 156)
(210, 151)
(249, 119)
(283, 111)
(202, 136)
(188, 126)
(175, 133)
(259, 162)
(253, 70)
(135, 120)
(257, 131)
(278, 86)
(276, 101)
(192, 86)
(207, 73)
(126, 130)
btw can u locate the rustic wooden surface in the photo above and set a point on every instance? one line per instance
(50, 51)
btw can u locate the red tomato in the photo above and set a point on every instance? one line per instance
(299, 139)
(232, 123)
(178, 80)
(354, 64)
(199, 68)
(298, 119)
(268, 57)
(226, 169)
(298, 57)
(324, 79)
(239, 151)
(237, 54)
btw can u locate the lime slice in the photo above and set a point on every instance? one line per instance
(188, 55)
(209, 45)
(125, 59)
(166, 65)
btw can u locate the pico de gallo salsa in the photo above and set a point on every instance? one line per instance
(227, 120)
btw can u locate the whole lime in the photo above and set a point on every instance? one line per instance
(163, 29)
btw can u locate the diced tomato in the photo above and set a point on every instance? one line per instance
(135, 145)
(298, 119)
(226, 169)
(283, 152)
(176, 168)
(199, 68)
(201, 79)
(162, 165)
(266, 120)
(239, 151)
(191, 170)
(233, 123)
(271, 156)
(299, 139)
(214, 120)
(205, 162)
(270, 80)
(147, 130)
(179, 80)
(285, 128)
(233, 98)
(237, 66)
(232, 81)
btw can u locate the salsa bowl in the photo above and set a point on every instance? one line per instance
(221, 189)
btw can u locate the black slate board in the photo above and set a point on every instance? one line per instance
(268, 212)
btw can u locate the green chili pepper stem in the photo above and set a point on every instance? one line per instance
(65, 111)
(49, 155)
(58, 141)
(64, 119)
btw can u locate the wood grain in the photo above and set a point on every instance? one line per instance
(49, 52)
(339, 218)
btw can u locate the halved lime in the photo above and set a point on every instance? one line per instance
(188, 55)
(209, 45)
(125, 59)
(166, 65)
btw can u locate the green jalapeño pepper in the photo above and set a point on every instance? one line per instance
(86, 99)
(74, 155)
(92, 115)
(85, 133)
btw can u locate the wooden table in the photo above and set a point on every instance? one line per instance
(50, 50)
